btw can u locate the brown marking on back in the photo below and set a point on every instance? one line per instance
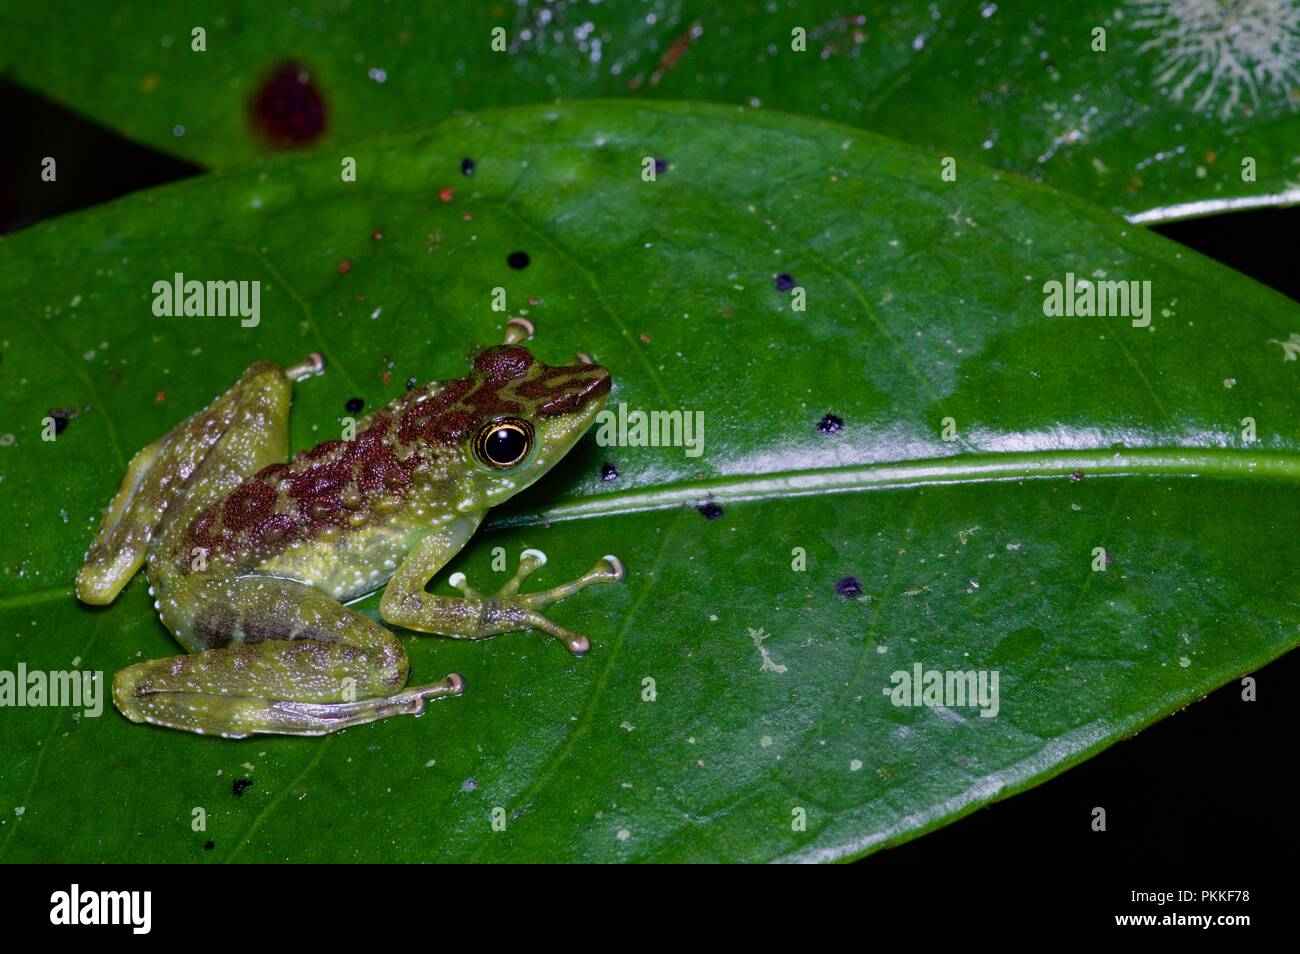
(286, 502)
(333, 484)
(428, 420)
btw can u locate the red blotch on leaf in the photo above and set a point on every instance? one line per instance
(288, 108)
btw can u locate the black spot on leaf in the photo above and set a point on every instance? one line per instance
(608, 472)
(518, 260)
(239, 786)
(710, 510)
(467, 166)
(784, 282)
(830, 424)
(849, 588)
(354, 405)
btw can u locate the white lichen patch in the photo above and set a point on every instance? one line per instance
(767, 664)
(1223, 52)
(1290, 347)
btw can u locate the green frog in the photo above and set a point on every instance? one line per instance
(252, 556)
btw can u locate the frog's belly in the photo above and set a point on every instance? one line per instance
(357, 564)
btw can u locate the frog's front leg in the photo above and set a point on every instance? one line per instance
(283, 658)
(476, 616)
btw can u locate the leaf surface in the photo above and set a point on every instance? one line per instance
(1161, 124)
(924, 302)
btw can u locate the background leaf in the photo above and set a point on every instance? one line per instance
(1138, 128)
(924, 302)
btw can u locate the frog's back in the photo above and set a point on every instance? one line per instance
(338, 516)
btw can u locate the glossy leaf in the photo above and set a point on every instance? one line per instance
(1185, 101)
(924, 320)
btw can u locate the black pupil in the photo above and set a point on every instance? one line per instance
(505, 445)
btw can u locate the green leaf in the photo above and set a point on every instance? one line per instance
(1156, 126)
(924, 302)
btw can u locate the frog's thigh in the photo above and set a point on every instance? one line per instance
(186, 469)
(283, 658)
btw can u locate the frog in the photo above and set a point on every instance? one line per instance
(253, 557)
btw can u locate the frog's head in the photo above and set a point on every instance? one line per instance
(512, 418)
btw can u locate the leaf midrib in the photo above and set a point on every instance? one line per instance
(1217, 463)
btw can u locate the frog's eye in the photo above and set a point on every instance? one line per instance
(503, 443)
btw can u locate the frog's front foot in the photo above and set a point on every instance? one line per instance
(477, 616)
(523, 610)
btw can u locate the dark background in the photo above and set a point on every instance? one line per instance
(1204, 799)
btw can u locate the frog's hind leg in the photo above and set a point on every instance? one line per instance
(187, 468)
(284, 658)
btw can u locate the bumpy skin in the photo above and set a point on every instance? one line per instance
(251, 556)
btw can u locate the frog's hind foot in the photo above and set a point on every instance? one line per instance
(236, 717)
(321, 718)
(307, 718)
(280, 658)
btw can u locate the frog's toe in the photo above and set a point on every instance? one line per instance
(529, 561)
(576, 643)
(518, 329)
(614, 567)
(609, 569)
(314, 363)
(458, 581)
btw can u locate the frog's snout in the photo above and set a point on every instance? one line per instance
(595, 382)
